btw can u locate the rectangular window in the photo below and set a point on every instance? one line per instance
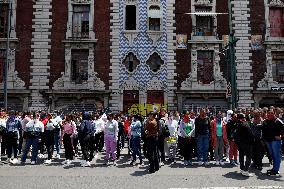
(81, 21)
(130, 17)
(278, 66)
(79, 65)
(204, 26)
(276, 20)
(155, 15)
(3, 19)
(205, 66)
(154, 24)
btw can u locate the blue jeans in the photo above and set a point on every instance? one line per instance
(136, 148)
(57, 141)
(202, 147)
(34, 143)
(274, 149)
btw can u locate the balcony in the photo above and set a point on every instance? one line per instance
(205, 35)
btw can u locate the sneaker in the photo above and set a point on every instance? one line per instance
(246, 174)
(200, 163)
(221, 163)
(236, 162)
(206, 163)
(88, 164)
(141, 164)
(40, 156)
(106, 162)
(232, 162)
(96, 156)
(189, 163)
(15, 161)
(83, 162)
(132, 163)
(162, 163)
(48, 161)
(57, 156)
(64, 162)
(114, 163)
(33, 162)
(217, 163)
(185, 162)
(68, 162)
(273, 173)
(10, 160)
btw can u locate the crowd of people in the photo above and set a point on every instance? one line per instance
(239, 138)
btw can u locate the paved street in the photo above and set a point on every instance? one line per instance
(124, 176)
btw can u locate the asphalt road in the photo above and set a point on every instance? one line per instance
(125, 176)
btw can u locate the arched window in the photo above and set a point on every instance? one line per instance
(155, 17)
(130, 62)
(155, 62)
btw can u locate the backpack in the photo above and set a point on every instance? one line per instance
(165, 129)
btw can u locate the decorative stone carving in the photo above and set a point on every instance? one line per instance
(59, 82)
(266, 83)
(276, 3)
(130, 36)
(155, 36)
(203, 2)
(130, 84)
(155, 84)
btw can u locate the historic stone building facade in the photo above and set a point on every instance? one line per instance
(87, 54)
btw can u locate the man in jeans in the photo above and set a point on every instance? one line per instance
(272, 130)
(202, 132)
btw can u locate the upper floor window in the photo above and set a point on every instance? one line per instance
(131, 62)
(155, 17)
(81, 21)
(204, 26)
(276, 20)
(130, 17)
(155, 62)
(278, 66)
(79, 65)
(205, 66)
(4, 7)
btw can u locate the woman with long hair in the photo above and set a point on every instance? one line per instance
(69, 129)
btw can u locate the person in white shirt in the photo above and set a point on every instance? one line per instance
(111, 136)
(34, 130)
(172, 139)
(99, 127)
(2, 129)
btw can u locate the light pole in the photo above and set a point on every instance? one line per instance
(231, 60)
(7, 56)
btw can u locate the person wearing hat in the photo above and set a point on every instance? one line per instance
(244, 140)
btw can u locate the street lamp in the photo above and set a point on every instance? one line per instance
(7, 56)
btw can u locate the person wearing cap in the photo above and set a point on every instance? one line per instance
(13, 132)
(218, 137)
(244, 140)
(110, 137)
(202, 133)
(151, 132)
(272, 130)
(34, 130)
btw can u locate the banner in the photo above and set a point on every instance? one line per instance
(181, 41)
(256, 42)
(144, 109)
(225, 39)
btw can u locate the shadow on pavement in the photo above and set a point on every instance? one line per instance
(235, 175)
(140, 173)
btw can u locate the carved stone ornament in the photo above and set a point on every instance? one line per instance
(203, 2)
(18, 83)
(155, 36)
(266, 83)
(130, 36)
(59, 82)
(95, 83)
(276, 3)
(130, 84)
(155, 84)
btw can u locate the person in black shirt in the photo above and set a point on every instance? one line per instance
(202, 133)
(244, 141)
(272, 130)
